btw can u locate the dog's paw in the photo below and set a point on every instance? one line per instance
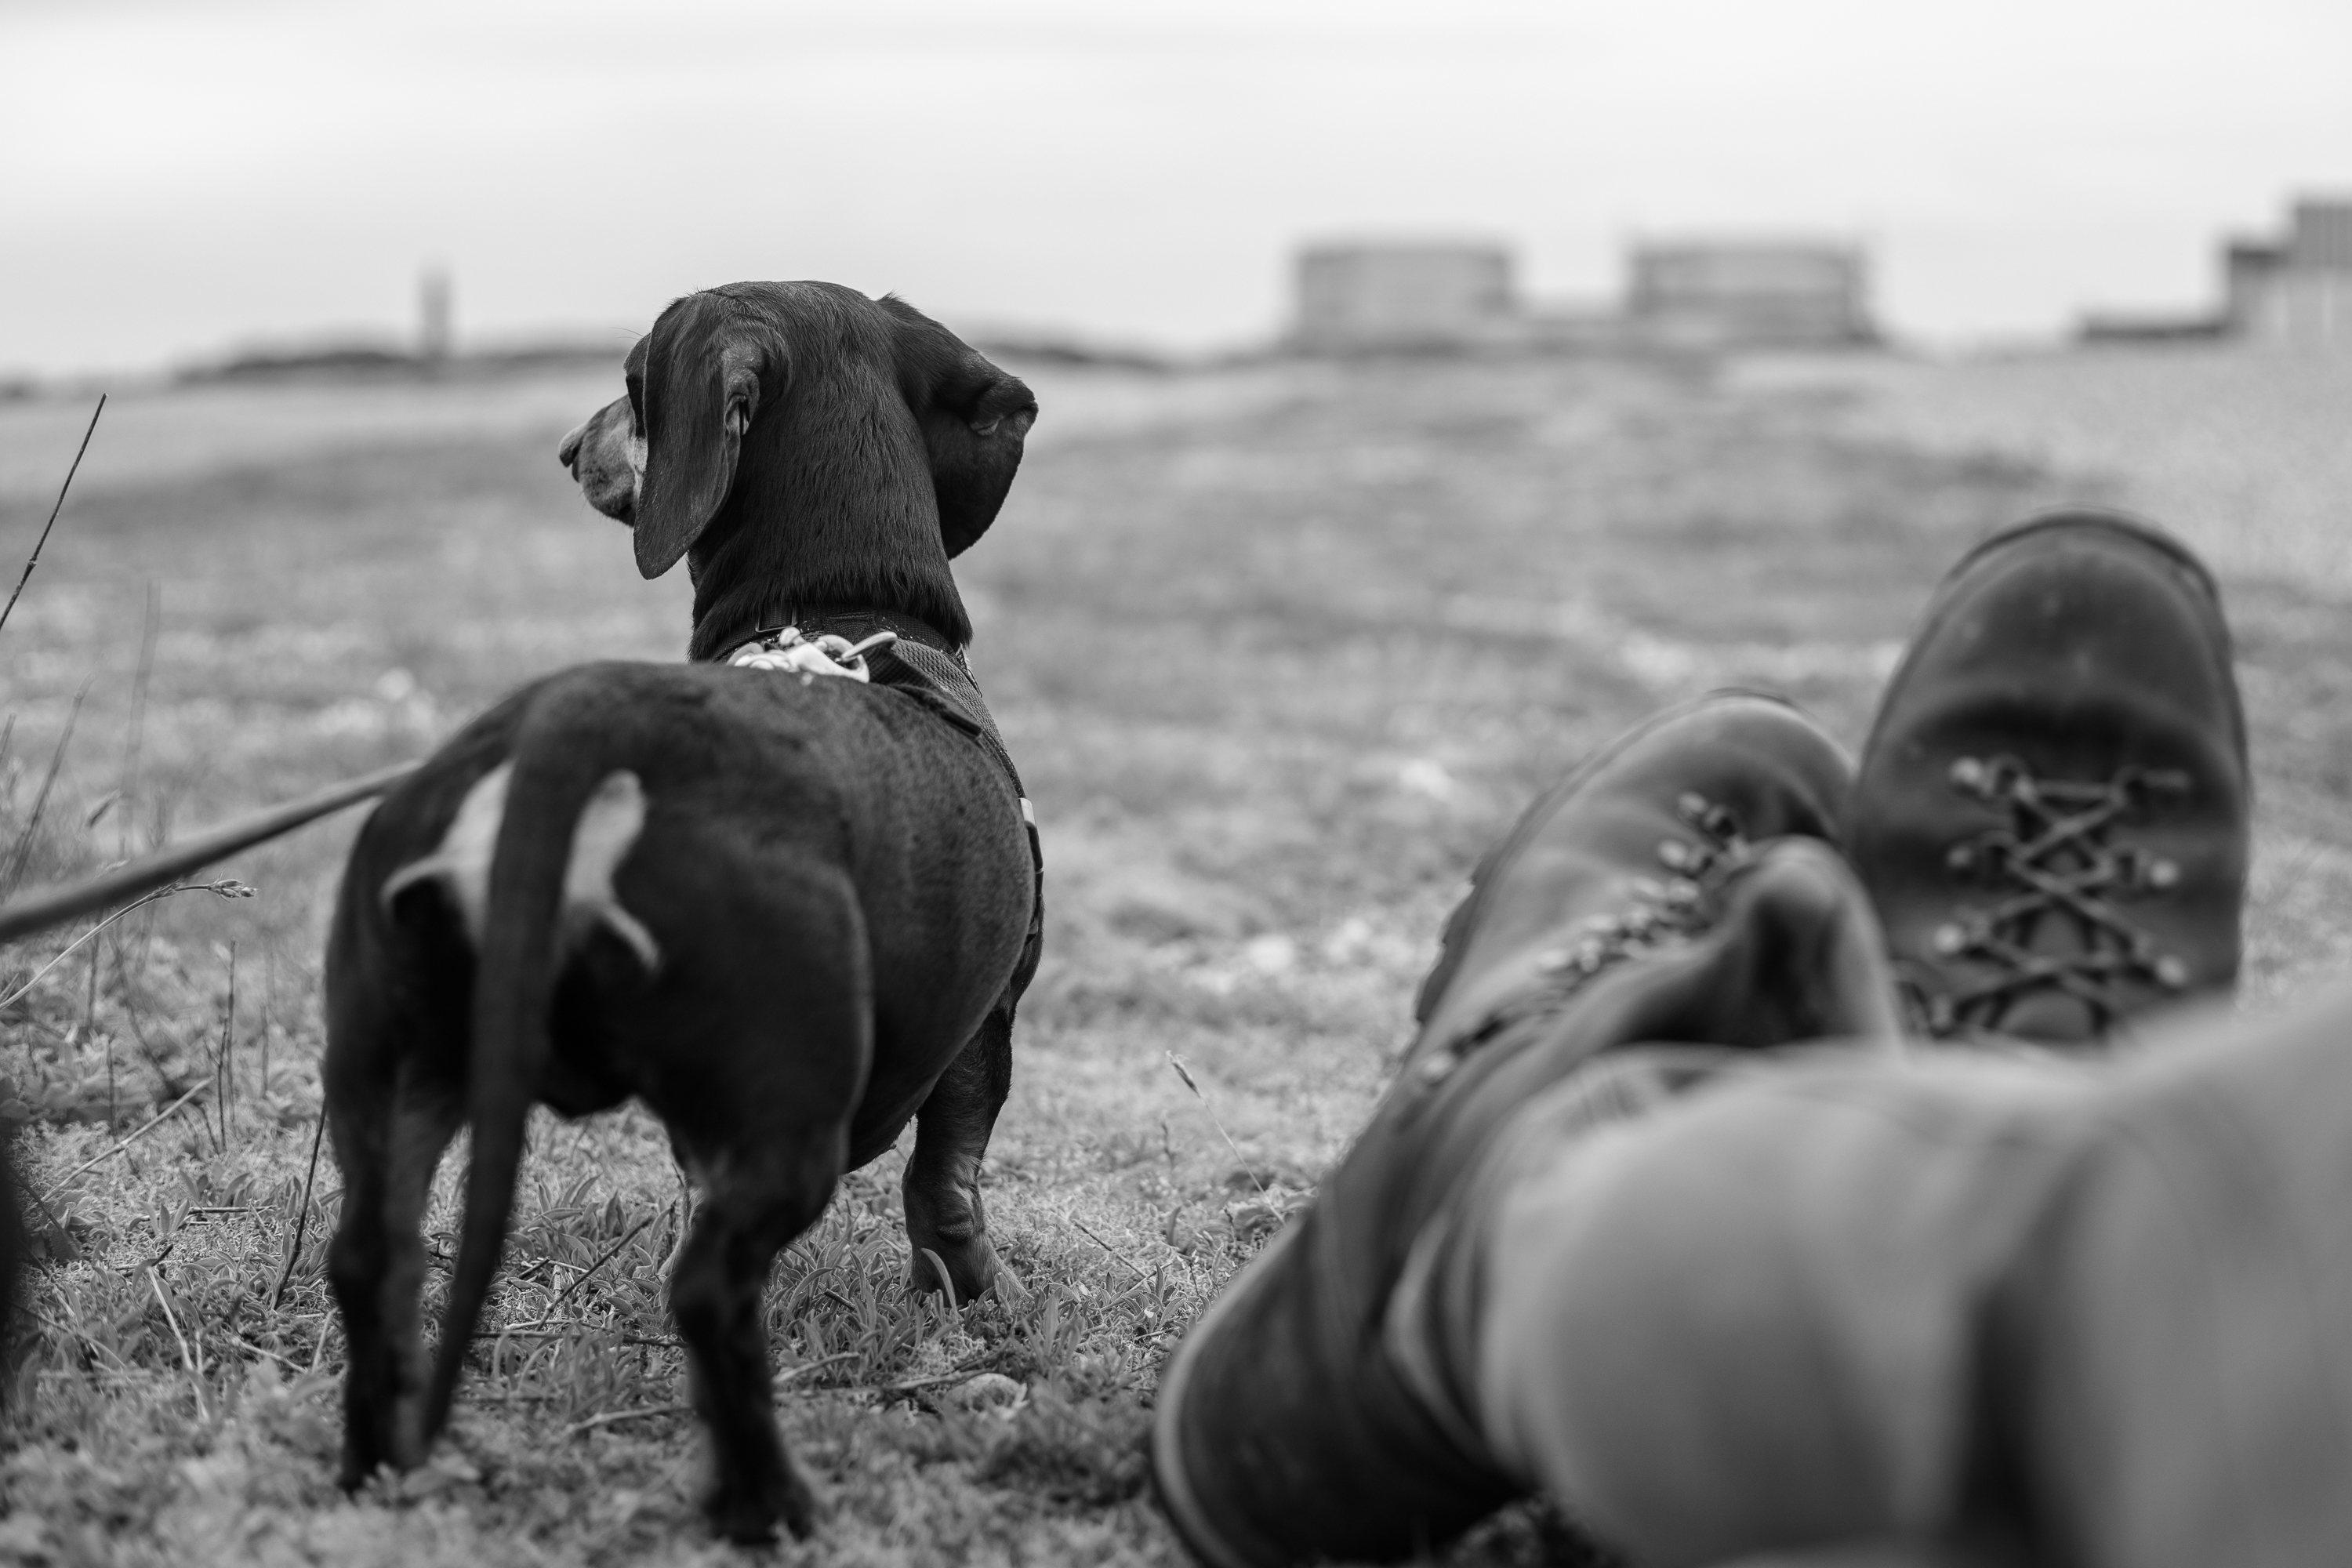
(965, 1269)
(947, 1235)
(352, 1473)
(748, 1515)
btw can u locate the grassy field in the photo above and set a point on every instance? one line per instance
(1278, 650)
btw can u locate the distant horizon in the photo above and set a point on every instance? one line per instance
(583, 337)
(187, 177)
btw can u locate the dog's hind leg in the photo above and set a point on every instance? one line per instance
(758, 1075)
(945, 1219)
(755, 1201)
(389, 1139)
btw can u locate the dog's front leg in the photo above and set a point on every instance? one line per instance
(945, 1219)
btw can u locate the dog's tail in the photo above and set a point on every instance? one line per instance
(520, 949)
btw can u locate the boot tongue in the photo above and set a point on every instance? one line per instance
(2051, 1016)
(2045, 1013)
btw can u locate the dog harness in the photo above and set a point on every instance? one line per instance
(882, 647)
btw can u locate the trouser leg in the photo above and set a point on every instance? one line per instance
(2097, 1315)
(1743, 1321)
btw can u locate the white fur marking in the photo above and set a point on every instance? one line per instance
(607, 830)
(601, 838)
(461, 862)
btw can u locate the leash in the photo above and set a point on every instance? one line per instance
(168, 866)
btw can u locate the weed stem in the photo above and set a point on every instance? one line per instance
(34, 559)
(302, 1220)
(1247, 1169)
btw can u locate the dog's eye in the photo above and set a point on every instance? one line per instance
(636, 385)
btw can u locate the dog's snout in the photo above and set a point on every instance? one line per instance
(568, 451)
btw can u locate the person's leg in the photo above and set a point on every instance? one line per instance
(2178, 1338)
(1752, 1319)
(2095, 1314)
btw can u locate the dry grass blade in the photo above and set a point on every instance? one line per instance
(289, 1362)
(939, 1267)
(224, 1059)
(1106, 1247)
(791, 1374)
(610, 1253)
(1247, 1169)
(95, 1160)
(135, 742)
(21, 853)
(915, 1384)
(605, 1418)
(302, 1219)
(227, 887)
(188, 1356)
(34, 559)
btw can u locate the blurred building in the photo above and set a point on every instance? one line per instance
(2296, 290)
(1423, 295)
(433, 315)
(1749, 294)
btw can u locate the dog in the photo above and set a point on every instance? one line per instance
(787, 913)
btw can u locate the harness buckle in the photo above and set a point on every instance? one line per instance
(789, 649)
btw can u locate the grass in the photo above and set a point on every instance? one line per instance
(1278, 651)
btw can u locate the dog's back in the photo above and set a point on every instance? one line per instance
(737, 771)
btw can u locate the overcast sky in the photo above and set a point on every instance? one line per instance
(179, 177)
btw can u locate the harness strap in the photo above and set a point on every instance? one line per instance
(926, 665)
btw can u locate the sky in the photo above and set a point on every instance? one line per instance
(183, 178)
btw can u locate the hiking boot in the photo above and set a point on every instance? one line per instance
(1632, 904)
(1697, 781)
(2052, 810)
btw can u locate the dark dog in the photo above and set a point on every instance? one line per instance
(788, 914)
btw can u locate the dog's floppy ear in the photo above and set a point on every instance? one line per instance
(973, 417)
(705, 361)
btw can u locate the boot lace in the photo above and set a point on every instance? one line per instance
(2051, 857)
(1659, 912)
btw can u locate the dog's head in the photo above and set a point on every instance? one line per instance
(606, 452)
(829, 447)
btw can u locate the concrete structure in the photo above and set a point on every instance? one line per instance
(2296, 291)
(433, 316)
(1749, 294)
(1426, 295)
